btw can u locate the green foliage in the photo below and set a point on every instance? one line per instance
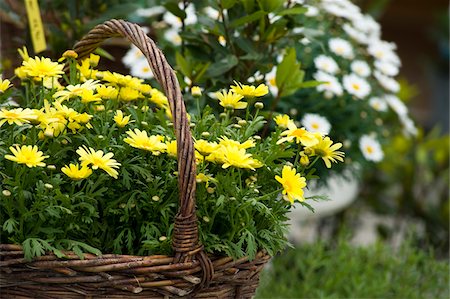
(239, 205)
(417, 184)
(323, 270)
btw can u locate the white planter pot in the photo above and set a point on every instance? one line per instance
(340, 191)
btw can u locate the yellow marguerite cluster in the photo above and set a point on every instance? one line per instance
(39, 68)
(85, 91)
(230, 100)
(4, 85)
(140, 139)
(29, 155)
(327, 151)
(283, 121)
(292, 183)
(120, 119)
(17, 116)
(89, 156)
(76, 173)
(54, 120)
(301, 135)
(249, 90)
(231, 153)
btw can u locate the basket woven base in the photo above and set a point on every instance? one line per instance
(122, 276)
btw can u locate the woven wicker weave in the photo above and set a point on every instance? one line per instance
(189, 273)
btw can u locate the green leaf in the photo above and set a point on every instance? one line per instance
(10, 225)
(183, 64)
(227, 4)
(309, 84)
(220, 67)
(270, 5)
(289, 76)
(103, 53)
(248, 19)
(174, 9)
(293, 11)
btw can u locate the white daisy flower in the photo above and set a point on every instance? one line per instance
(361, 68)
(387, 68)
(383, 51)
(331, 87)
(172, 36)
(132, 55)
(356, 86)
(388, 83)
(368, 25)
(397, 105)
(342, 8)
(211, 12)
(256, 77)
(326, 64)
(141, 69)
(357, 35)
(176, 23)
(371, 148)
(409, 127)
(316, 123)
(270, 81)
(341, 47)
(312, 11)
(378, 104)
(150, 12)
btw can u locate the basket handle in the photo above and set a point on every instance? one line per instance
(185, 238)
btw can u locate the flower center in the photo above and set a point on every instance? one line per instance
(369, 149)
(272, 82)
(315, 126)
(356, 86)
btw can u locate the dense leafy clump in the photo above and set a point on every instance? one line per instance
(88, 162)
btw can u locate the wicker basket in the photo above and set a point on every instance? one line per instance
(190, 273)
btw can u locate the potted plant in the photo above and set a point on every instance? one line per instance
(109, 187)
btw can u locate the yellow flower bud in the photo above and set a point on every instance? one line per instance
(259, 105)
(70, 54)
(196, 91)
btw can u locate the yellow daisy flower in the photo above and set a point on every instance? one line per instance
(301, 135)
(4, 85)
(283, 121)
(107, 92)
(237, 157)
(39, 68)
(129, 94)
(98, 160)
(250, 91)
(72, 91)
(292, 183)
(204, 147)
(76, 173)
(18, 116)
(140, 139)
(28, 155)
(230, 100)
(172, 148)
(328, 151)
(225, 141)
(120, 120)
(159, 98)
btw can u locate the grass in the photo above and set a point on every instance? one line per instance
(320, 270)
